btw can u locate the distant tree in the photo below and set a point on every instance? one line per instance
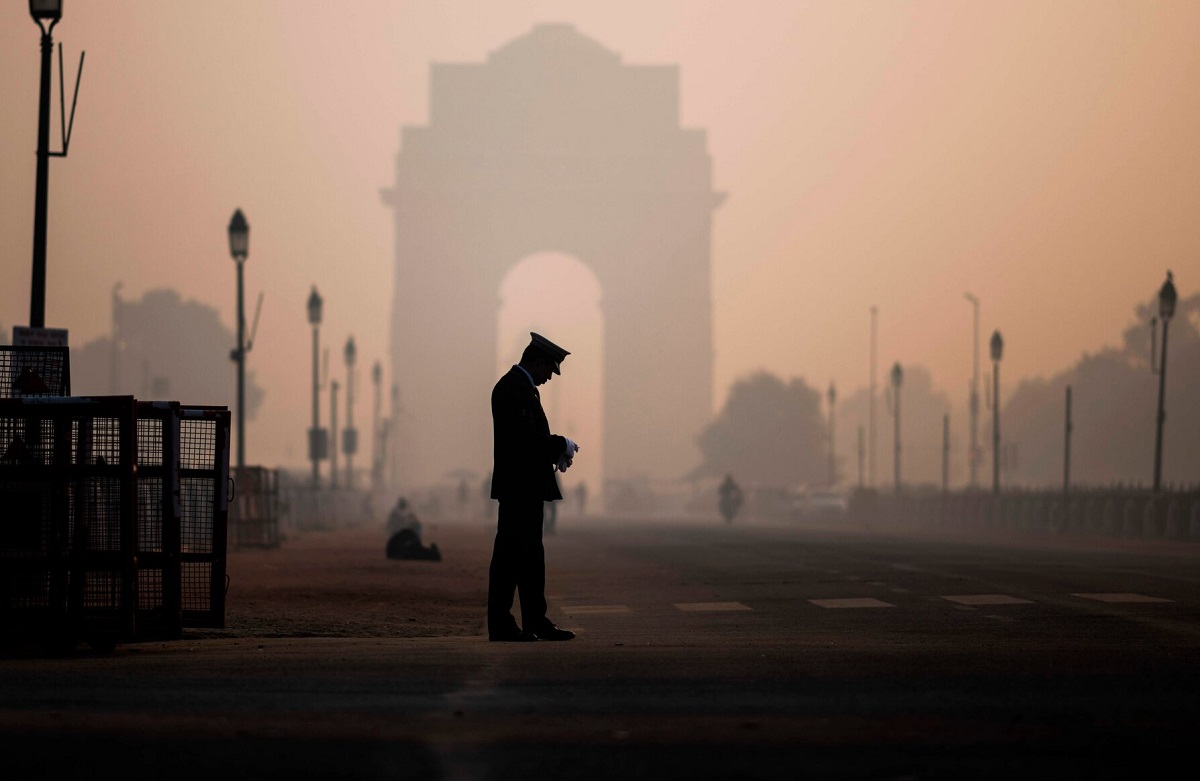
(770, 432)
(166, 345)
(1114, 403)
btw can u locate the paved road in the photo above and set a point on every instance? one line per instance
(704, 651)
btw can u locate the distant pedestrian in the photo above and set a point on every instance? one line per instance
(489, 504)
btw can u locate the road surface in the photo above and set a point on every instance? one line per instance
(704, 651)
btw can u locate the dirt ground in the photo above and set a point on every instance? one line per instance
(341, 584)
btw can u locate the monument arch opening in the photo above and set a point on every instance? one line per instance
(559, 296)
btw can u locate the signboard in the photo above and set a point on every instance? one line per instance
(24, 336)
(318, 444)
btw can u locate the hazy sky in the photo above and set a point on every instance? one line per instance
(1042, 155)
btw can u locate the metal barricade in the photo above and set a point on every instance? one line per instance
(68, 535)
(204, 513)
(158, 519)
(34, 371)
(113, 519)
(255, 514)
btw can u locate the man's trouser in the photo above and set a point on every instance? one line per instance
(518, 563)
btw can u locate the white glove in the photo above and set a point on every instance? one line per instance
(568, 456)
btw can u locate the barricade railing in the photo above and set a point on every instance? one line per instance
(204, 514)
(68, 543)
(115, 522)
(1118, 511)
(255, 508)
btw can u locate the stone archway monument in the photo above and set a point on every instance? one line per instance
(552, 145)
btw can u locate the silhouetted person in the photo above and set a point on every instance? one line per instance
(489, 504)
(404, 535)
(730, 499)
(581, 496)
(406, 544)
(402, 517)
(523, 479)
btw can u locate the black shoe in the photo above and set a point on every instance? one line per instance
(549, 631)
(513, 635)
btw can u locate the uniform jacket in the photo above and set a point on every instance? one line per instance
(524, 449)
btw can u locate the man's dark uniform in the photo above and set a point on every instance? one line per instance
(525, 456)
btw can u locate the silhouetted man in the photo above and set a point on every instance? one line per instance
(526, 457)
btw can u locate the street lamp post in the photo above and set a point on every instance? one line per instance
(897, 380)
(393, 457)
(239, 248)
(973, 401)
(316, 450)
(997, 348)
(871, 408)
(333, 434)
(376, 433)
(42, 11)
(1166, 310)
(832, 395)
(349, 434)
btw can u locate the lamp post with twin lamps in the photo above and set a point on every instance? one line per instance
(316, 440)
(1166, 310)
(349, 433)
(973, 400)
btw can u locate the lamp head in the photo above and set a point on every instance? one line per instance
(832, 395)
(239, 236)
(997, 346)
(897, 374)
(351, 352)
(376, 373)
(314, 307)
(46, 9)
(1166, 298)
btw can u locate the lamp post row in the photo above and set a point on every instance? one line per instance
(318, 444)
(1168, 296)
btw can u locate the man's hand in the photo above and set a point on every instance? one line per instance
(568, 456)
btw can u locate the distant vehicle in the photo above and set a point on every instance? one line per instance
(821, 505)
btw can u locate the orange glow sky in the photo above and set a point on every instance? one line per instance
(1043, 155)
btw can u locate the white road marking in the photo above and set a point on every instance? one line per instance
(854, 602)
(987, 599)
(1121, 598)
(593, 610)
(710, 607)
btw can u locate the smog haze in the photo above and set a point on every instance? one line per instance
(1041, 156)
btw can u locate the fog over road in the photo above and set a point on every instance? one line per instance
(703, 651)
